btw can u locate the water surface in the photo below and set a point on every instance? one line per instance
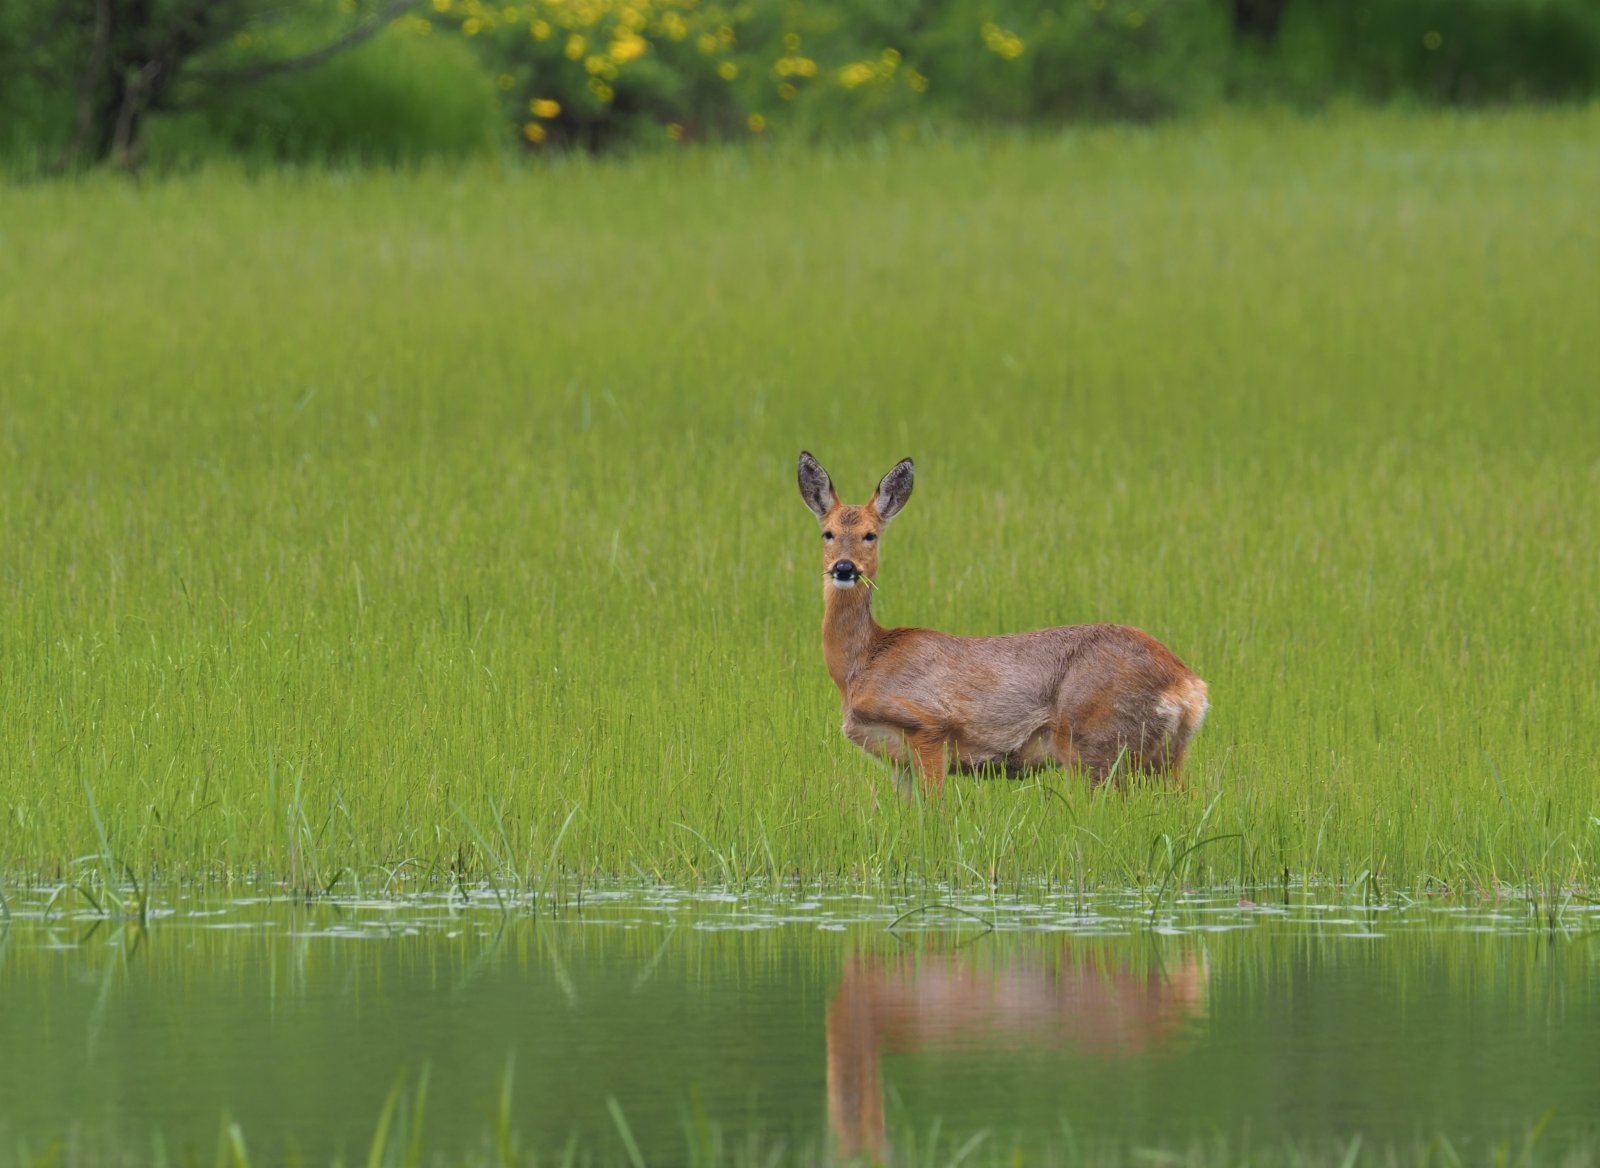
(802, 1019)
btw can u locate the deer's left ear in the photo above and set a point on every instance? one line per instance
(894, 490)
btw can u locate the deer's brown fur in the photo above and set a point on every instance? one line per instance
(1053, 999)
(1103, 697)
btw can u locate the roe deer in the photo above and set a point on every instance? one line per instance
(1064, 999)
(1101, 697)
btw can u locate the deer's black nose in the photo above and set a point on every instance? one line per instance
(844, 570)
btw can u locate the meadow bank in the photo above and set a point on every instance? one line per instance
(390, 528)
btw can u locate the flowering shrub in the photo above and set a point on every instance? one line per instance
(591, 72)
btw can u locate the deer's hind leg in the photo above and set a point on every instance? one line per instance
(1088, 738)
(1193, 701)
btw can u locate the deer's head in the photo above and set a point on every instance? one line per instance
(850, 535)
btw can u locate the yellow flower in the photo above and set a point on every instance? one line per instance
(544, 107)
(533, 132)
(600, 89)
(917, 81)
(471, 26)
(1008, 44)
(540, 30)
(441, 5)
(891, 57)
(1134, 18)
(675, 131)
(727, 70)
(791, 41)
(787, 91)
(674, 26)
(576, 44)
(795, 67)
(756, 122)
(858, 74)
(628, 48)
(707, 43)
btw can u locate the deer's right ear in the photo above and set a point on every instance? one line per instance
(816, 488)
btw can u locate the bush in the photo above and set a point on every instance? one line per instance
(35, 118)
(593, 72)
(395, 99)
(1097, 59)
(597, 71)
(458, 74)
(1453, 51)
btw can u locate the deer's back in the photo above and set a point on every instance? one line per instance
(1002, 697)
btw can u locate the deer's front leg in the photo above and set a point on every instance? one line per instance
(911, 749)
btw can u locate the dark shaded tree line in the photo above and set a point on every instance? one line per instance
(80, 80)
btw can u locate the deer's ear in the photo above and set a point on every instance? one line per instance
(816, 488)
(894, 490)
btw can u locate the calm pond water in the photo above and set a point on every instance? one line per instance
(802, 1019)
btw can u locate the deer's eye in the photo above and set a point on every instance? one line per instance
(869, 537)
(827, 535)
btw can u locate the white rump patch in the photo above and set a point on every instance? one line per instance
(1168, 712)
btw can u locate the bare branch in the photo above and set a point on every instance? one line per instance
(125, 138)
(259, 70)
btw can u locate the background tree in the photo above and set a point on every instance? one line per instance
(123, 61)
(1258, 18)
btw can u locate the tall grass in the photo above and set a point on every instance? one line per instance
(361, 524)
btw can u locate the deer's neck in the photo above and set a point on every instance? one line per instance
(848, 632)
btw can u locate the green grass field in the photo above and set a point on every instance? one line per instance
(359, 527)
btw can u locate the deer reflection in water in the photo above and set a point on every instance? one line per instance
(1058, 998)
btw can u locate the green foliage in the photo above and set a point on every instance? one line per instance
(393, 99)
(35, 115)
(1450, 51)
(1108, 58)
(591, 72)
(84, 80)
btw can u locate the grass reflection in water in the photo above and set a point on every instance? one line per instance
(712, 1029)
